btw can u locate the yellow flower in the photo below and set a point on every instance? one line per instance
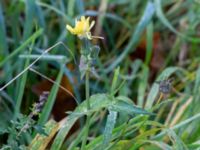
(82, 28)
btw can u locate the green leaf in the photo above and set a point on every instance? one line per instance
(124, 107)
(149, 39)
(20, 90)
(71, 6)
(110, 123)
(142, 85)
(125, 99)
(115, 80)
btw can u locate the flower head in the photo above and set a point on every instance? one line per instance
(82, 28)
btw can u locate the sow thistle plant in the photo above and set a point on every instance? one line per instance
(89, 54)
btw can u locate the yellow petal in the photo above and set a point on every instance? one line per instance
(70, 29)
(82, 28)
(88, 20)
(83, 18)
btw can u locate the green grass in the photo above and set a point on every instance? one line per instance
(144, 42)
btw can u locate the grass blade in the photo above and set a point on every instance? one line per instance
(21, 87)
(124, 107)
(143, 85)
(149, 39)
(110, 123)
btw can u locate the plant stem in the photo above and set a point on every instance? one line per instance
(87, 88)
(87, 93)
